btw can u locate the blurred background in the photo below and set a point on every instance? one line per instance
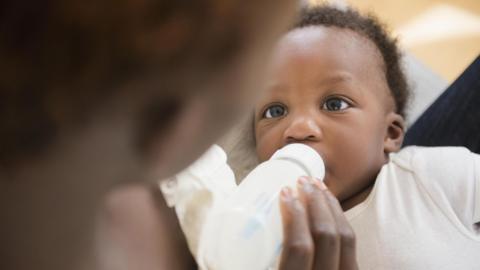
(443, 35)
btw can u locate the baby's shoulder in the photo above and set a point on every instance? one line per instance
(451, 171)
(441, 161)
(449, 175)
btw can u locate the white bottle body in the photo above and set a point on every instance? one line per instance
(245, 231)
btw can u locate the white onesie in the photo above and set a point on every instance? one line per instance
(422, 213)
(194, 192)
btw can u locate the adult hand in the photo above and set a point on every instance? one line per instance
(316, 233)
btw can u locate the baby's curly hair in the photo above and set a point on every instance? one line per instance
(369, 27)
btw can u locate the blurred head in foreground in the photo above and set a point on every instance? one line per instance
(149, 81)
(95, 93)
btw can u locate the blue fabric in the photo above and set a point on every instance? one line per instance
(454, 118)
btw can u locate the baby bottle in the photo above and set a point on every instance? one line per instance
(245, 230)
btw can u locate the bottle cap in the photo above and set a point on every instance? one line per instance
(305, 156)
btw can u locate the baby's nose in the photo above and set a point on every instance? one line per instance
(302, 129)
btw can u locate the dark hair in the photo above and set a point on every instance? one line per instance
(369, 27)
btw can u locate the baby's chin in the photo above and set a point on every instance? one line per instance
(333, 186)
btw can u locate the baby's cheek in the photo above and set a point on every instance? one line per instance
(262, 152)
(265, 147)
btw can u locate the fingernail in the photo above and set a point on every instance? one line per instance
(286, 194)
(302, 180)
(319, 183)
(305, 184)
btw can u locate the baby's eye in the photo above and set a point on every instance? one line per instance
(274, 111)
(335, 104)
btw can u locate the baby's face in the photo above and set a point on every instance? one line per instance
(327, 89)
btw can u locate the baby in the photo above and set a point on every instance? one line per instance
(335, 83)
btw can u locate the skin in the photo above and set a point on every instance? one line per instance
(316, 233)
(50, 203)
(327, 89)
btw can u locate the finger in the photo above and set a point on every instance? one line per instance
(322, 225)
(347, 236)
(298, 249)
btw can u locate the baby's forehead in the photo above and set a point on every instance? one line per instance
(342, 40)
(324, 51)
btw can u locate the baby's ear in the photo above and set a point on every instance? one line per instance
(395, 133)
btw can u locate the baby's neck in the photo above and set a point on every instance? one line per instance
(357, 198)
